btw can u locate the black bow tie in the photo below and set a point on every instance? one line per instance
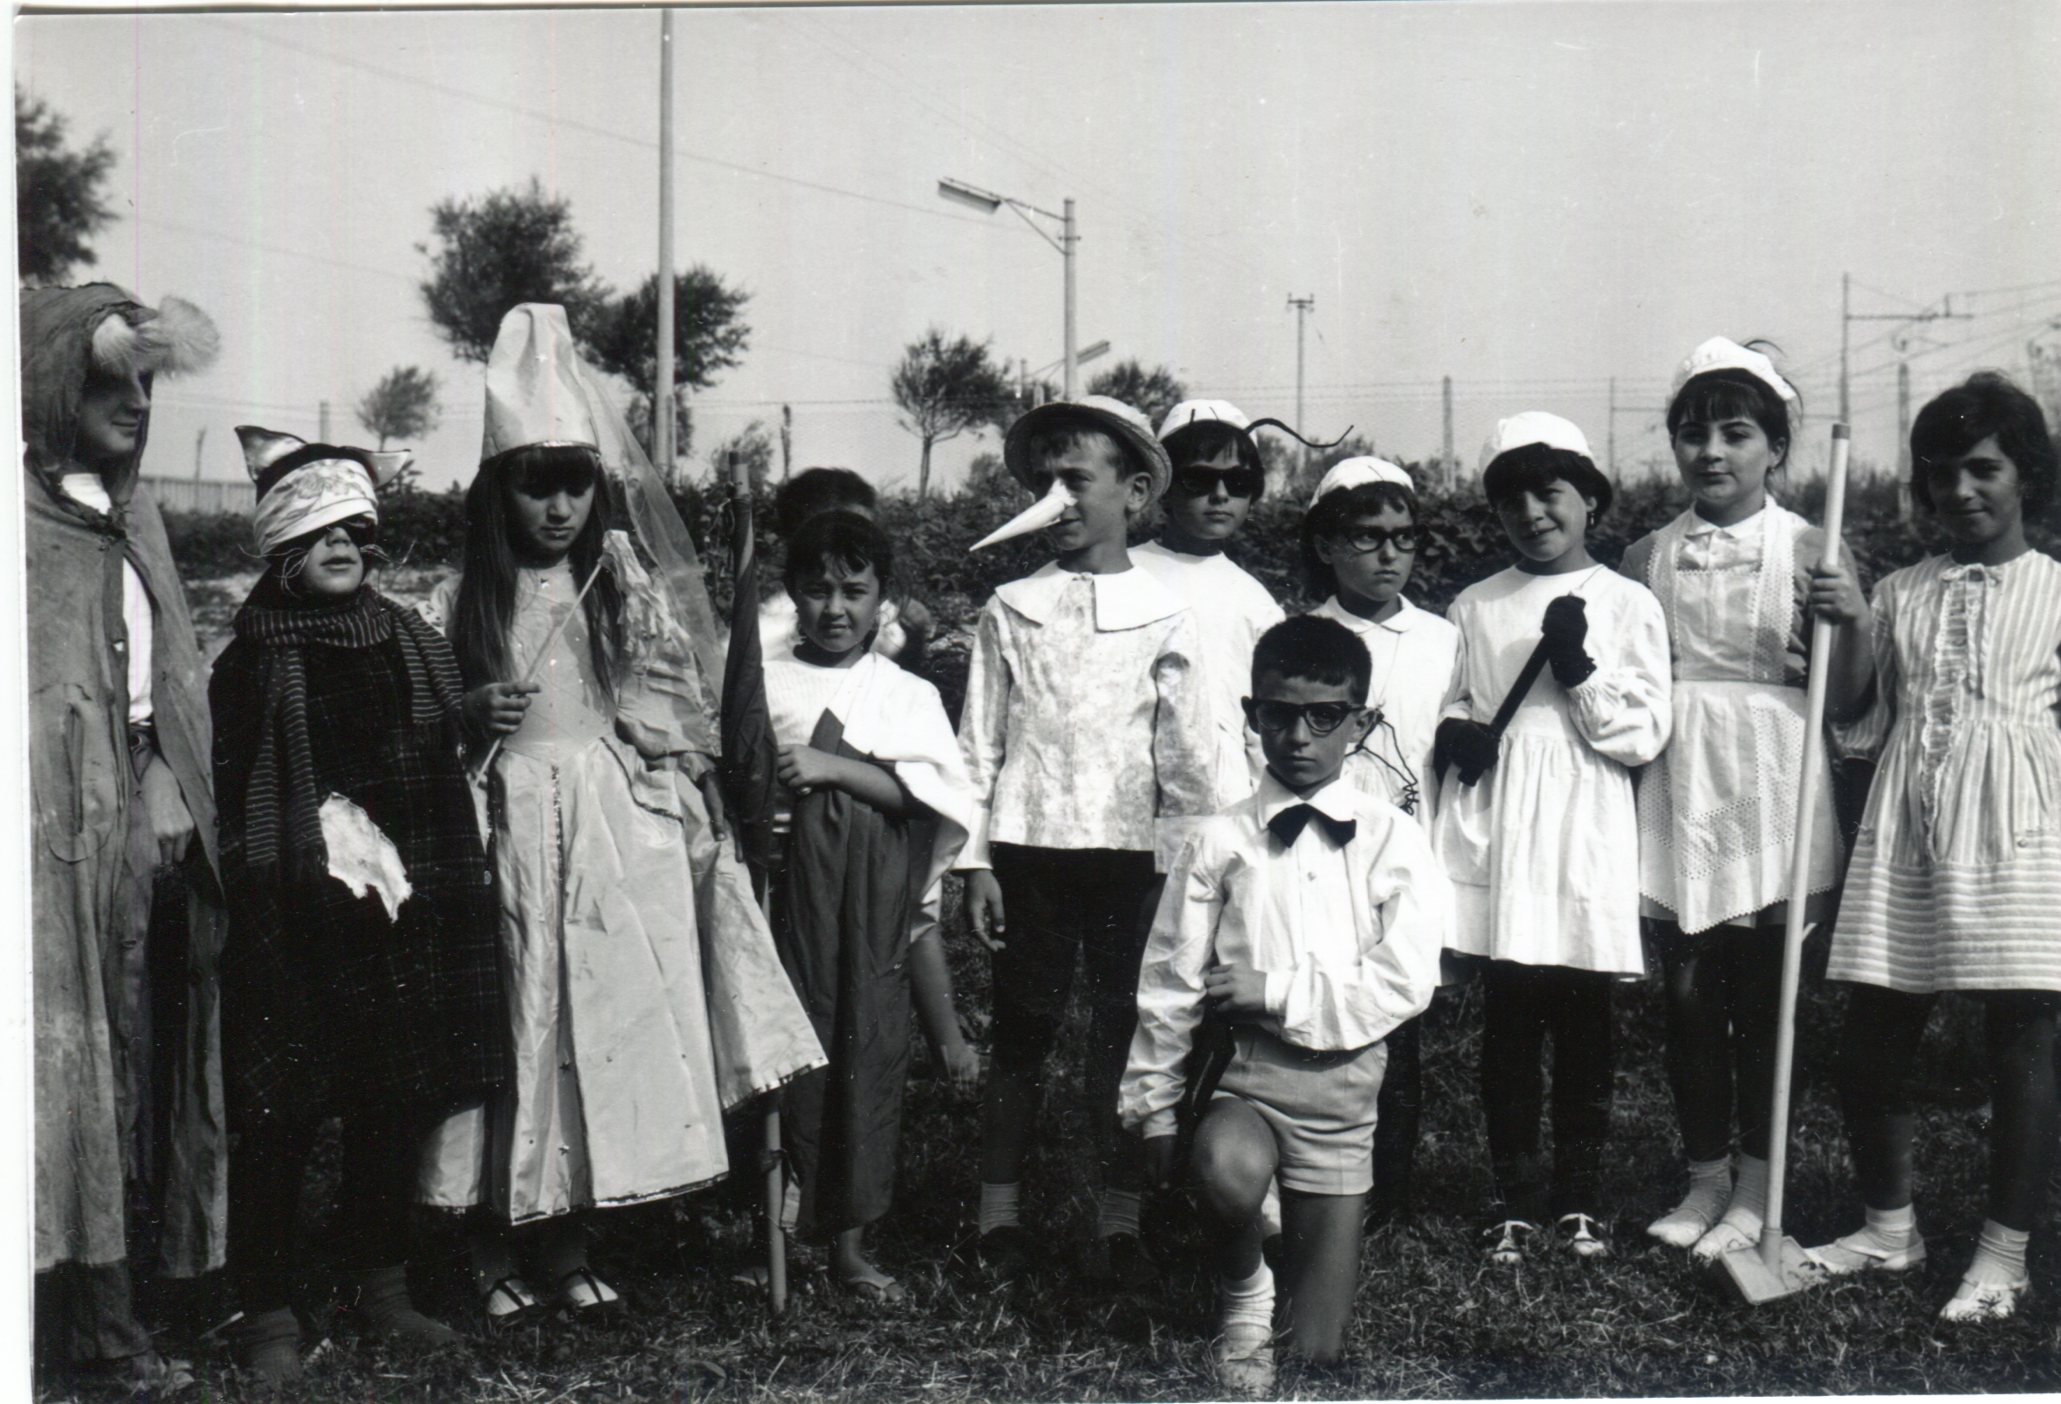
(1288, 825)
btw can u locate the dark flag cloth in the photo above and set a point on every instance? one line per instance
(842, 924)
(750, 750)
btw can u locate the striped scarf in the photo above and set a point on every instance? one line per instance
(282, 778)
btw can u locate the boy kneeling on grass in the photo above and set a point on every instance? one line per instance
(1298, 929)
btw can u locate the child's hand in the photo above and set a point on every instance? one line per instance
(1468, 746)
(1159, 1161)
(496, 709)
(962, 1067)
(1236, 990)
(804, 768)
(171, 824)
(711, 786)
(984, 908)
(1835, 595)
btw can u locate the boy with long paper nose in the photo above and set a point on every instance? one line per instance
(1089, 746)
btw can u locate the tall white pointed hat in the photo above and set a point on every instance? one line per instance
(535, 395)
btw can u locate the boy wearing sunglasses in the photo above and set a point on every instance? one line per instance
(1217, 479)
(1307, 918)
(1359, 545)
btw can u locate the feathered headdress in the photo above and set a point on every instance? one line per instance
(175, 339)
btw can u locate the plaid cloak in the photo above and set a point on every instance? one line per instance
(328, 1006)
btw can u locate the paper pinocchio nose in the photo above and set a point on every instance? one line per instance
(1036, 517)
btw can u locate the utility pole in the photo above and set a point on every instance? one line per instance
(1903, 440)
(1302, 307)
(198, 440)
(1847, 317)
(1610, 442)
(1069, 242)
(1452, 464)
(322, 434)
(662, 383)
(786, 441)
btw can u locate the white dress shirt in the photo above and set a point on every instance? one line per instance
(1232, 610)
(1347, 936)
(1083, 726)
(89, 490)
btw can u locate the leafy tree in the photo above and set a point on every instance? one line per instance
(499, 249)
(710, 336)
(1153, 391)
(943, 389)
(402, 406)
(58, 200)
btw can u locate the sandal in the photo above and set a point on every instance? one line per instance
(1582, 1239)
(508, 1301)
(877, 1290)
(1508, 1239)
(1855, 1253)
(580, 1290)
(1985, 1301)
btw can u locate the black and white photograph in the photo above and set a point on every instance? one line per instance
(1047, 702)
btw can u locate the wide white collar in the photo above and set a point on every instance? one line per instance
(1128, 599)
(1402, 621)
(1700, 525)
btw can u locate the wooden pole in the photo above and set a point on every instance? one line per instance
(662, 382)
(1800, 862)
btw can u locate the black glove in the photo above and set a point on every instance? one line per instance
(1467, 746)
(1564, 628)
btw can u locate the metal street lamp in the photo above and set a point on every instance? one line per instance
(987, 202)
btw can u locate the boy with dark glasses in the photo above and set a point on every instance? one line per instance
(1298, 930)
(1217, 478)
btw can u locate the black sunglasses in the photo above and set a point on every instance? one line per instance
(1365, 540)
(1322, 718)
(1201, 482)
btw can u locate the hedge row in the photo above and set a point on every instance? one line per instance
(1462, 543)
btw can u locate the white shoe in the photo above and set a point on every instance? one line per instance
(1858, 1253)
(1582, 1239)
(1244, 1359)
(1507, 1240)
(1681, 1226)
(1725, 1235)
(1985, 1301)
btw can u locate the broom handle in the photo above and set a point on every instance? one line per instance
(550, 642)
(1800, 863)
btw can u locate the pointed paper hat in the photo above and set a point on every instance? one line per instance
(535, 391)
(303, 487)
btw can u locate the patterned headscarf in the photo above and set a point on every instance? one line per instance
(303, 487)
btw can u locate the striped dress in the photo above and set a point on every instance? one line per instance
(1955, 882)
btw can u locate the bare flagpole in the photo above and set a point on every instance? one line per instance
(662, 382)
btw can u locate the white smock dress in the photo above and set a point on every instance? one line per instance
(1955, 882)
(1540, 849)
(614, 1098)
(1717, 807)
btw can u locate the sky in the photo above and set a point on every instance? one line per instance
(1529, 198)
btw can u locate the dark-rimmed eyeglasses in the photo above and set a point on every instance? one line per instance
(1322, 718)
(1202, 482)
(1363, 541)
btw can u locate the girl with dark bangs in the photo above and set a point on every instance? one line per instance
(1739, 576)
(585, 691)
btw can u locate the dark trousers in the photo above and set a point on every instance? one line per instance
(1068, 906)
(1521, 1006)
(380, 1158)
(1723, 997)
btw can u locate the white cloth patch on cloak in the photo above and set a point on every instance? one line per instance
(361, 857)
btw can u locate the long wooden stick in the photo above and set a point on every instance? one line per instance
(1800, 864)
(550, 641)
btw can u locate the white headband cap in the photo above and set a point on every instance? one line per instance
(1358, 472)
(1533, 427)
(1722, 353)
(1202, 412)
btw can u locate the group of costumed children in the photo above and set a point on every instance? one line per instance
(484, 904)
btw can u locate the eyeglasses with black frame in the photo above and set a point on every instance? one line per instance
(1362, 541)
(1322, 718)
(1198, 481)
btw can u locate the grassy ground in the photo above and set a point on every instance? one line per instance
(1432, 1319)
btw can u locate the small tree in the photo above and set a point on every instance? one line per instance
(710, 336)
(490, 253)
(1151, 391)
(58, 200)
(402, 406)
(943, 389)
